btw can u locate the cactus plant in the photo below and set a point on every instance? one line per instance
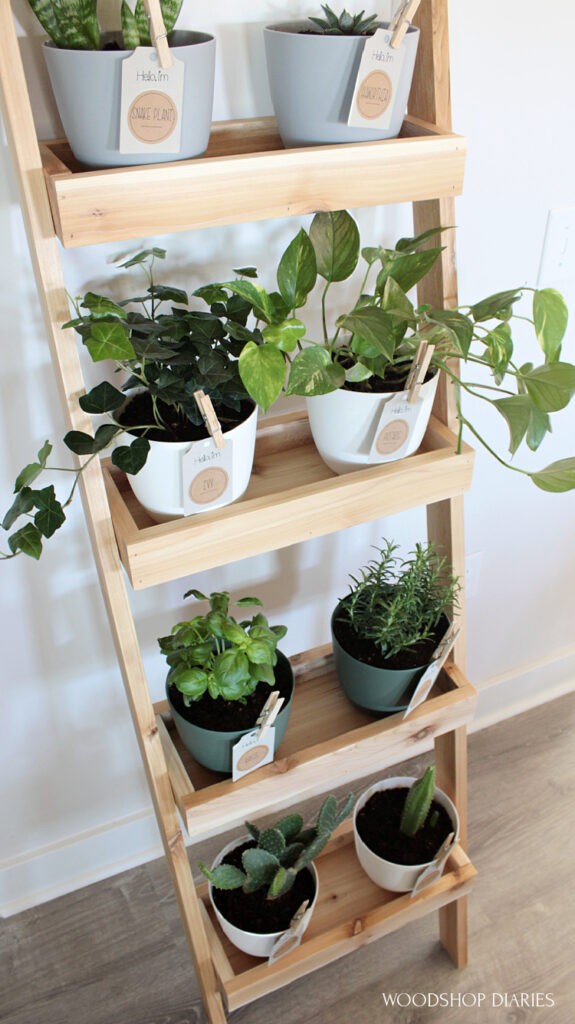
(280, 851)
(344, 24)
(418, 803)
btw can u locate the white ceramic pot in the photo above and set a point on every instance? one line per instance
(352, 429)
(87, 90)
(386, 874)
(254, 943)
(185, 477)
(312, 80)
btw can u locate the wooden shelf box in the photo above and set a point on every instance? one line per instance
(247, 175)
(292, 496)
(328, 739)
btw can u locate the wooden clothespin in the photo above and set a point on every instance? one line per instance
(401, 22)
(419, 369)
(213, 426)
(269, 713)
(158, 33)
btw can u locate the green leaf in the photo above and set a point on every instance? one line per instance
(246, 271)
(99, 305)
(335, 238)
(408, 269)
(224, 876)
(28, 540)
(84, 444)
(51, 514)
(131, 458)
(357, 373)
(109, 341)
(539, 427)
(516, 411)
(297, 271)
(143, 257)
(499, 345)
(395, 300)
(102, 398)
(314, 373)
(272, 840)
(376, 329)
(550, 316)
(262, 370)
(286, 335)
(258, 298)
(459, 325)
(191, 682)
(22, 504)
(231, 669)
(165, 293)
(290, 825)
(130, 33)
(551, 386)
(411, 244)
(557, 477)
(497, 306)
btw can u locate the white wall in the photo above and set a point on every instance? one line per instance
(74, 802)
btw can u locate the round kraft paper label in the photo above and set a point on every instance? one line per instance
(252, 757)
(209, 485)
(392, 436)
(152, 116)
(374, 95)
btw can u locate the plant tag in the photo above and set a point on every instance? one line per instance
(151, 103)
(433, 871)
(251, 752)
(377, 81)
(431, 673)
(207, 475)
(291, 938)
(395, 426)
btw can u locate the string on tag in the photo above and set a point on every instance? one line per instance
(213, 426)
(269, 713)
(158, 33)
(401, 22)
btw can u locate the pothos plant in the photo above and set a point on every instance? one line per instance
(158, 346)
(370, 345)
(74, 24)
(214, 653)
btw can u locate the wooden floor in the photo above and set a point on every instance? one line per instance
(113, 953)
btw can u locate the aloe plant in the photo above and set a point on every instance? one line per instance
(280, 851)
(74, 25)
(418, 803)
(344, 24)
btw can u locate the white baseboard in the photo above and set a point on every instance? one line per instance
(45, 873)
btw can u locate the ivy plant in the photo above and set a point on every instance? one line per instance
(377, 338)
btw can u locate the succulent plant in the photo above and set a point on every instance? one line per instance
(344, 24)
(417, 803)
(74, 25)
(280, 851)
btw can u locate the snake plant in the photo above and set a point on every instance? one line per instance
(74, 25)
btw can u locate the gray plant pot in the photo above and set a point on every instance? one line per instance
(312, 79)
(376, 689)
(86, 86)
(212, 748)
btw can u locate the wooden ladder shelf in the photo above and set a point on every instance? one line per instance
(328, 743)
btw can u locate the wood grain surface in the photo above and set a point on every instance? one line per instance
(114, 953)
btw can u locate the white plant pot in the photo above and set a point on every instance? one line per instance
(87, 90)
(386, 874)
(185, 477)
(254, 943)
(352, 429)
(312, 80)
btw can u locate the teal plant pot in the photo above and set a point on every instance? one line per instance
(375, 689)
(213, 748)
